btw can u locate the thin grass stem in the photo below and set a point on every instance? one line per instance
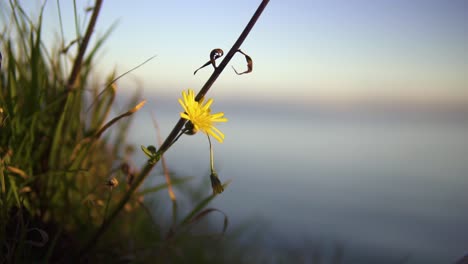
(107, 204)
(163, 162)
(83, 45)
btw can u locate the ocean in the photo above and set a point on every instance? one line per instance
(383, 184)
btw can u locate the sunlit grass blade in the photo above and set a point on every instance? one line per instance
(102, 108)
(122, 128)
(115, 119)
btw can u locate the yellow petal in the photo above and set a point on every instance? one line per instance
(184, 96)
(215, 136)
(218, 131)
(220, 114)
(184, 115)
(191, 95)
(220, 120)
(218, 117)
(183, 106)
(218, 135)
(208, 104)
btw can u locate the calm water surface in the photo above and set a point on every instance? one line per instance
(380, 184)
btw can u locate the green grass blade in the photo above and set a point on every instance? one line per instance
(200, 206)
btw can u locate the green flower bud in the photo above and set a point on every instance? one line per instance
(216, 183)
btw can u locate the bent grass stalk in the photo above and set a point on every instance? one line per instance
(175, 131)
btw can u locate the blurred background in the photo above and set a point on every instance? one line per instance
(351, 130)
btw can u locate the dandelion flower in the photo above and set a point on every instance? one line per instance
(199, 115)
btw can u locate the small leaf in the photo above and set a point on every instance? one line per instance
(148, 152)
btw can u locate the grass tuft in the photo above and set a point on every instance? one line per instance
(61, 176)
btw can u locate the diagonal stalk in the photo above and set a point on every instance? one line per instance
(217, 72)
(83, 45)
(175, 131)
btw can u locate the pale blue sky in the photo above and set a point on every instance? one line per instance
(302, 49)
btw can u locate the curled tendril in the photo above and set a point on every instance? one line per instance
(218, 53)
(249, 64)
(214, 54)
(73, 42)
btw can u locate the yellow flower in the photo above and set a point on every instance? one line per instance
(199, 114)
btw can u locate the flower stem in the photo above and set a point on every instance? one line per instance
(211, 154)
(174, 133)
(215, 181)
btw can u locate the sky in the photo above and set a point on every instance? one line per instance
(302, 50)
